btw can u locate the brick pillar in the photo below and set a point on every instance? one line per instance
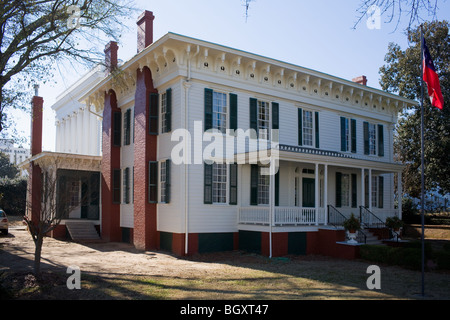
(35, 177)
(145, 234)
(111, 160)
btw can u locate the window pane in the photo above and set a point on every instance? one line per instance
(263, 188)
(220, 111)
(263, 119)
(372, 139)
(307, 128)
(345, 190)
(219, 183)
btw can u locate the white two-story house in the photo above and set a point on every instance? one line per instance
(187, 131)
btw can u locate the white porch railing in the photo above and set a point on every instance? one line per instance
(282, 216)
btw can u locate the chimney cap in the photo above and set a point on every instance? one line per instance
(36, 90)
(144, 15)
(361, 80)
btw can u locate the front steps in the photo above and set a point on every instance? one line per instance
(82, 231)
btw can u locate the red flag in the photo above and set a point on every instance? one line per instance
(431, 78)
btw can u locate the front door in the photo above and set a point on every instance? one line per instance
(308, 191)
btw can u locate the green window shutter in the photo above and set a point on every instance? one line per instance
(254, 175)
(116, 186)
(254, 116)
(353, 130)
(338, 189)
(354, 191)
(167, 181)
(343, 137)
(207, 183)
(380, 140)
(117, 125)
(317, 129)
(233, 183)
(208, 109)
(126, 185)
(153, 114)
(277, 188)
(127, 127)
(275, 115)
(168, 118)
(366, 137)
(153, 181)
(233, 111)
(300, 126)
(380, 191)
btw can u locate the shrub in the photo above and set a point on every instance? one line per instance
(408, 257)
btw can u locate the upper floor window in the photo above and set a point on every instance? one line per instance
(166, 111)
(348, 134)
(263, 119)
(219, 111)
(373, 139)
(308, 128)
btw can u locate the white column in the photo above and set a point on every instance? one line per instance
(93, 136)
(370, 190)
(399, 192)
(325, 192)
(58, 136)
(79, 132)
(67, 139)
(363, 192)
(86, 131)
(316, 192)
(73, 133)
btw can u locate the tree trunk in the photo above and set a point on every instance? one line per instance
(37, 255)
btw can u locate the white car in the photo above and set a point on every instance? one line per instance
(3, 222)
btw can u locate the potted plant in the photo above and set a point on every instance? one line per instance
(394, 223)
(352, 225)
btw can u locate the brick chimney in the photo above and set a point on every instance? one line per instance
(36, 122)
(361, 80)
(34, 190)
(144, 30)
(111, 58)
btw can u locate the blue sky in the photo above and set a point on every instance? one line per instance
(314, 34)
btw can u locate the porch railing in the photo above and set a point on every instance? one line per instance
(282, 216)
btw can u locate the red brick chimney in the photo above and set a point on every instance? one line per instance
(145, 30)
(36, 123)
(111, 58)
(35, 177)
(361, 80)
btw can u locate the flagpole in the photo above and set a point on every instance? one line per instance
(422, 202)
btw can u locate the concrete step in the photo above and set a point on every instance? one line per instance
(82, 231)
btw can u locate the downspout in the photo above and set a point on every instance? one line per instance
(187, 85)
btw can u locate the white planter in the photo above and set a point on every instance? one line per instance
(352, 237)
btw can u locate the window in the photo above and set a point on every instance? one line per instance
(374, 191)
(307, 128)
(263, 188)
(75, 193)
(153, 182)
(166, 111)
(116, 186)
(372, 139)
(117, 125)
(220, 111)
(163, 112)
(263, 119)
(346, 190)
(219, 183)
(126, 185)
(127, 127)
(164, 181)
